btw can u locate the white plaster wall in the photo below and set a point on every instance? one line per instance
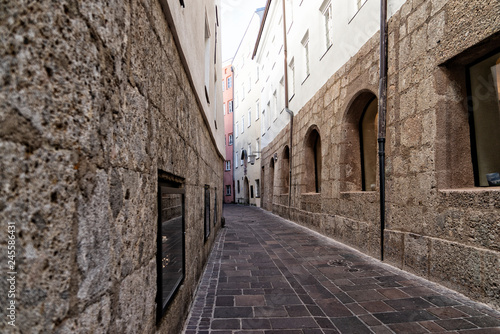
(189, 26)
(351, 30)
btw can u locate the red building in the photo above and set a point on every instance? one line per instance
(227, 97)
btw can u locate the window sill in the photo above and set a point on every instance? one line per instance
(470, 190)
(306, 78)
(324, 54)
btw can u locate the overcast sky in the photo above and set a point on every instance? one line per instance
(236, 15)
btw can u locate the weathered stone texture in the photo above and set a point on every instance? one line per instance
(94, 100)
(437, 224)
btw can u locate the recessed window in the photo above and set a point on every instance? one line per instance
(170, 241)
(326, 10)
(207, 212)
(368, 139)
(305, 44)
(229, 82)
(285, 170)
(230, 139)
(228, 165)
(312, 172)
(230, 107)
(228, 190)
(484, 91)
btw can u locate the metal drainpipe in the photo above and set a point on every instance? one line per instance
(382, 117)
(232, 153)
(290, 155)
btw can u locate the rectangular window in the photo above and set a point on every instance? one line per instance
(207, 58)
(242, 124)
(360, 3)
(251, 191)
(170, 241)
(249, 153)
(228, 165)
(484, 108)
(238, 186)
(229, 82)
(223, 85)
(228, 190)
(291, 71)
(207, 212)
(224, 107)
(230, 139)
(215, 207)
(305, 44)
(257, 148)
(326, 10)
(257, 110)
(275, 105)
(249, 117)
(257, 188)
(236, 160)
(230, 104)
(236, 130)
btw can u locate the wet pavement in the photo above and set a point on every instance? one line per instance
(267, 275)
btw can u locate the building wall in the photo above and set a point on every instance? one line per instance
(439, 225)
(96, 99)
(247, 86)
(227, 96)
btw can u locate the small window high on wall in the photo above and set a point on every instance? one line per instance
(170, 240)
(484, 111)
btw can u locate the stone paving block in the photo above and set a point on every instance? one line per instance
(292, 323)
(404, 316)
(408, 304)
(447, 312)
(408, 328)
(352, 325)
(255, 323)
(455, 324)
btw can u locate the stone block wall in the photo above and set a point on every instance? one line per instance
(438, 225)
(94, 101)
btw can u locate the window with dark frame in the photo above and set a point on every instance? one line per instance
(207, 212)
(215, 207)
(170, 240)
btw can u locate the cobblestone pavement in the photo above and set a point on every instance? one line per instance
(269, 276)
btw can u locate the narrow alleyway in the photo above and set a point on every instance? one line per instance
(267, 275)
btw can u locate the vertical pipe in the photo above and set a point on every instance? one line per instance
(382, 117)
(285, 78)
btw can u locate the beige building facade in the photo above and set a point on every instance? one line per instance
(442, 212)
(112, 146)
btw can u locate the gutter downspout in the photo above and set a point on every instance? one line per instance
(382, 117)
(285, 49)
(232, 152)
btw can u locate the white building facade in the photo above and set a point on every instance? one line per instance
(247, 120)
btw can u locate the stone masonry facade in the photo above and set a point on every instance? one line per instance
(438, 225)
(95, 100)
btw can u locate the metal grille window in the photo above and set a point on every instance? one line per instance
(207, 212)
(170, 242)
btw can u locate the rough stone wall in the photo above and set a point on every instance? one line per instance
(438, 225)
(94, 101)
